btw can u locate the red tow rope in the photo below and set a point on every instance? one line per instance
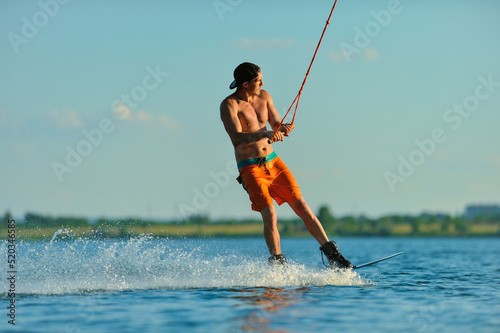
(297, 98)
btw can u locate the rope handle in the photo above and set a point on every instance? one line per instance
(273, 139)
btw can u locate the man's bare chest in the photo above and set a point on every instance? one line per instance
(252, 116)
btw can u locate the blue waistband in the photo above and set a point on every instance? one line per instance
(257, 160)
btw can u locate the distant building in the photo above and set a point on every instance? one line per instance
(485, 211)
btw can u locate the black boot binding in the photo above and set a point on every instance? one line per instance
(335, 259)
(277, 260)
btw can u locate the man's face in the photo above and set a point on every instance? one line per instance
(254, 86)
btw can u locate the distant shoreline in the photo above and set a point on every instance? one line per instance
(38, 227)
(229, 230)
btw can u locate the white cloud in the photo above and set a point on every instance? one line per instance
(144, 117)
(367, 54)
(66, 119)
(264, 43)
(167, 122)
(370, 54)
(123, 111)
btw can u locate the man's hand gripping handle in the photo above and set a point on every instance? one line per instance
(284, 130)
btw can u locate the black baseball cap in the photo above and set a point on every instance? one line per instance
(244, 73)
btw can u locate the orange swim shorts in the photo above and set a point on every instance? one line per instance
(267, 178)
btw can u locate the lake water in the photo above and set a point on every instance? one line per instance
(224, 285)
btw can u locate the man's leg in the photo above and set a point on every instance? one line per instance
(330, 249)
(271, 233)
(313, 225)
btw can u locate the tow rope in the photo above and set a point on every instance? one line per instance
(297, 98)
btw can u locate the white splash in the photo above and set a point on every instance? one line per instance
(86, 265)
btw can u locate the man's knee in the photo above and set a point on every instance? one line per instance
(268, 212)
(269, 217)
(300, 206)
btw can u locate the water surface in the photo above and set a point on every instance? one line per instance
(224, 285)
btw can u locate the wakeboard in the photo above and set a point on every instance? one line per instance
(377, 261)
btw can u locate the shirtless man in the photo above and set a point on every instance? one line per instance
(245, 114)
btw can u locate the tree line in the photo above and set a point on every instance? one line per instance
(425, 224)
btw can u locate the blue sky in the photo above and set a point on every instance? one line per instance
(111, 108)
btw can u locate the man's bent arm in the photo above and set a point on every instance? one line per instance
(242, 138)
(273, 116)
